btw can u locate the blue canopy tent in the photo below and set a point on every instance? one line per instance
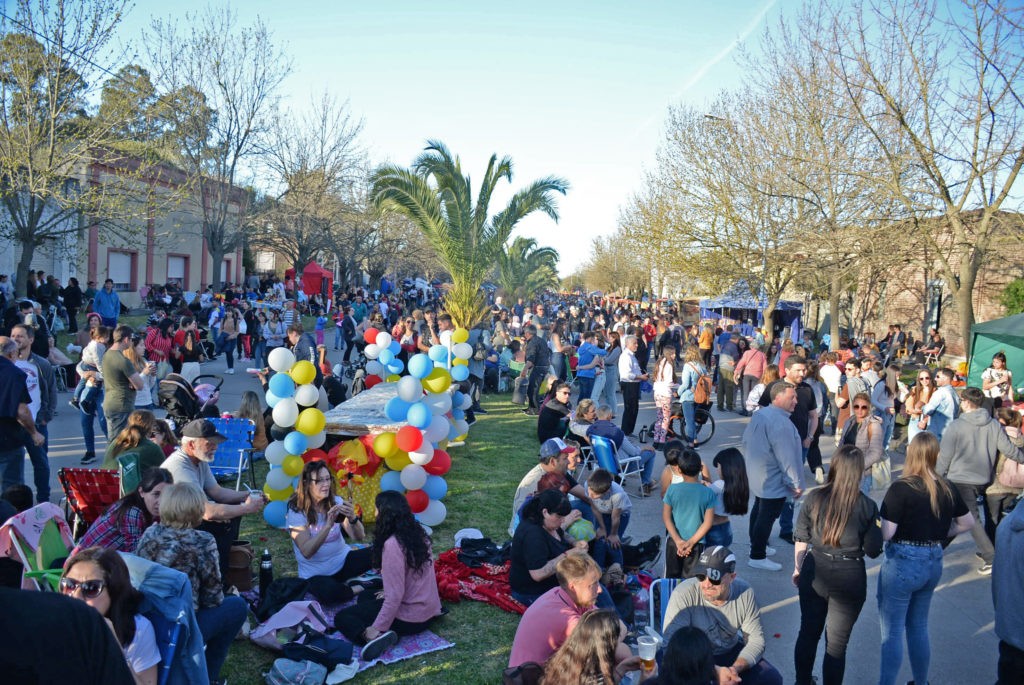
(739, 304)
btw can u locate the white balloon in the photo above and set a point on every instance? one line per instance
(422, 458)
(307, 395)
(463, 350)
(434, 514)
(286, 412)
(438, 428)
(467, 402)
(446, 338)
(322, 403)
(281, 359)
(275, 453)
(383, 339)
(409, 389)
(371, 351)
(461, 427)
(439, 403)
(317, 440)
(413, 477)
(278, 479)
(374, 368)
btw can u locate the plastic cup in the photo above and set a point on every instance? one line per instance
(647, 647)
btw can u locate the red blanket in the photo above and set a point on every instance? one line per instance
(487, 583)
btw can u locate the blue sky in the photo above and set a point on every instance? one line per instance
(574, 89)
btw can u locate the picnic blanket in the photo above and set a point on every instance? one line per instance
(485, 583)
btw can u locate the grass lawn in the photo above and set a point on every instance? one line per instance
(485, 472)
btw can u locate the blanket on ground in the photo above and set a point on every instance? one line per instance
(485, 583)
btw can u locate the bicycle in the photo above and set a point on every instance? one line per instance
(677, 424)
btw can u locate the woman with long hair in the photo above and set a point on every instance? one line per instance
(753, 399)
(100, 578)
(918, 396)
(315, 519)
(920, 512)
(553, 420)
(693, 370)
(537, 545)
(121, 526)
(136, 354)
(884, 398)
(159, 341)
(840, 525)
(587, 657)
(163, 437)
(997, 383)
(135, 438)
(273, 334)
(252, 408)
(664, 390)
(688, 660)
(582, 419)
(865, 431)
(227, 339)
(748, 371)
(409, 601)
(611, 371)
(559, 347)
(732, 491)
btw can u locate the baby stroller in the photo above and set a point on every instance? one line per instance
(186, 402)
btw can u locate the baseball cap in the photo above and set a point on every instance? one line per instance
(552, 447)
(714, 563)
(202, 428)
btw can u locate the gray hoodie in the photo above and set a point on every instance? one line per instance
(1008, 579)
(969, 447)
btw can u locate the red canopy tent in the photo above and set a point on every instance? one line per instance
(315, 280)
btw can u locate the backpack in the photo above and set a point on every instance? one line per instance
(288, 672)
(317, 647)
(702, 389)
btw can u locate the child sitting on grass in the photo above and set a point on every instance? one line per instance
(610, 502)
(688, 513)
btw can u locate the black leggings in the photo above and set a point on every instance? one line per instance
(353, 620)
(332, 589)
(630, 405)
(832, 594)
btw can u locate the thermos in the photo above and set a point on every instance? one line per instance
(266, 573)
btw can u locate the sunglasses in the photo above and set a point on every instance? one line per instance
(320, 481)
(701, 577)
(924, 378)
(861, 406)
(90, 589)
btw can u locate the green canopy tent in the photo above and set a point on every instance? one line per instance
(1002, 335)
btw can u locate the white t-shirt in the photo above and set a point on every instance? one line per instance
(832, 377)
(718, 487)
(991, 374)
(615, 498)
(142, 652)
(32, 383)
(327, 560)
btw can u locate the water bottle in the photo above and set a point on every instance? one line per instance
(266, 573)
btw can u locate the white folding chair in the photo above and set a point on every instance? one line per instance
(933, 358)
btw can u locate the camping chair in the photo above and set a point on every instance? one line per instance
(129, 471)
(45, 525)
(660, 590)
(234, 455)
(609, 459)
(88, 493)
(933, 358)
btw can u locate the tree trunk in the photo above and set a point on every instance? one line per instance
(964, 301)
(28, 251)
(769, 320)
(833, 309)
(217, 257)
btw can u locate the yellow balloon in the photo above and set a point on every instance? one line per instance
(460, 335)
(278, 495)
(393, 378)
(438, 381)
(303, 372)
(442, 444)
(398, 461)
(462, 438)
(384, 445)
(311, 421)
(459, 361)
(292, 465)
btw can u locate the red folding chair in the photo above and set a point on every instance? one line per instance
(88, 493)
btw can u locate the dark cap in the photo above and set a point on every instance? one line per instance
(202, 428)
(714, 563)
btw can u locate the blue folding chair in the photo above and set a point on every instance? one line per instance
(234, 455)
(660, 591)
(608, 459)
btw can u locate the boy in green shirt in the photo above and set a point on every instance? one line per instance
(688, 513)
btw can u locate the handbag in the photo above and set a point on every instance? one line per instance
(881, 473)
(289, 672)
(313, 645)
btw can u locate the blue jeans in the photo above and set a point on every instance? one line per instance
(338, 340)
(40, 463)
(604, 554)
(906, 583)
(88, 435)
(259, 353)
(720, 534)
(786, 517)
(888, 424)
(219, 626)
(12, 465)
(586, 387)
(647, 462)
(690, 416)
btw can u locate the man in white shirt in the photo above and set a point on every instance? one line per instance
(630, 376)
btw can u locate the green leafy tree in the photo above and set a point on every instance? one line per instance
(1012, 298)
(525, 268)
(438, 199)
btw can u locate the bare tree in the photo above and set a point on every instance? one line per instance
(226, 78)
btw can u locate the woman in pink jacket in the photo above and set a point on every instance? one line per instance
(409, 601)
(749, 369)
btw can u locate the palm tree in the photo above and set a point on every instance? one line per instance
(435, 196)
(524, 268)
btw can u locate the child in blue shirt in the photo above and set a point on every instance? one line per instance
(688, 513)
(321, 322)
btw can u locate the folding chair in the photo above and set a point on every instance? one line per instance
(933, 358)
(609, 459)
(46, 525)
(129, 471)
(660, 591)
(234, 455)
(88, 493)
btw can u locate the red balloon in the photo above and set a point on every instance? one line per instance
(418, 500)
(370, 336)
(372, 380)
(408, 438)
(440, 464)
(314, 455)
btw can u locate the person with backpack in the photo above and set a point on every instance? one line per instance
(694, 389)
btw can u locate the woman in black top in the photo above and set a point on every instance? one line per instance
(840, 525)
(72, 295)
(553, 421)
(538, 544)
(919, 513)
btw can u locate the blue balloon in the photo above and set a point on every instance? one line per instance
(460, 373)
(420, 366)
(435, 487)
(419, 415)
(396, 409)
(295, 481)
(272, 399)
(282, 385)
(385, 357)
(395, 347)
(274, 513)
(396, 366)
(452, 432)
(457, 399)
(439, 353)
(458, 414)
(392, 480)
(295, 442)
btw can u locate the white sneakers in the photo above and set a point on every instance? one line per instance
(769, 551)
(229, 371)
(819, 475)
(764, 564)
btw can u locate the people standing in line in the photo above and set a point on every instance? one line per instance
(630, 375)
(121, 380)
(943, 407)
(771, 444)
(841, 525)
(920, 513)
(968, 452)
(42, 388)
(15, 416)
(611, 372)
(107, 304)
(664, 392)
